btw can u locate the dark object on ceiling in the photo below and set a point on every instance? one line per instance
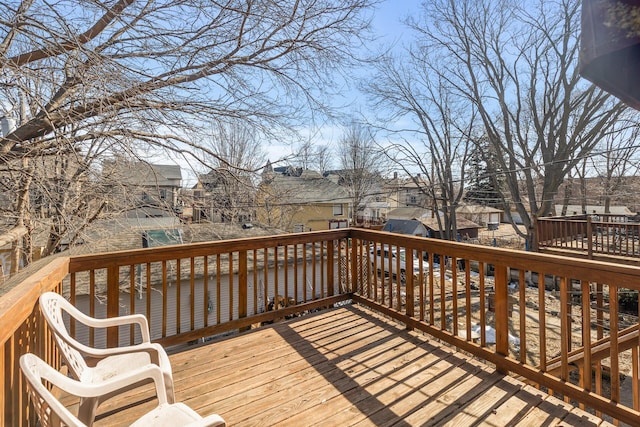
(610, 47)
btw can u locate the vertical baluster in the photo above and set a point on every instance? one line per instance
(522, 288)
(92, 304)
(542, 322)
(205, 291)
(585, 375)
(178, 295)
(132, 302)
(148, 305)
(164, 298)
(242, 285)
(467, 288)
(296, 296)
(454, 294)
(265, 278)
(192, 299)
(613, 333)
(218, 289)
(432, 313)
(285, 266)
(230, 287)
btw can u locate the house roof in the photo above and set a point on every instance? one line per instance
(404, 226)
(310, 187)
(432, 223)
(140, 173)
(408, 213)
(616, 210)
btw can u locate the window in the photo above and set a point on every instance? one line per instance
(337, 210)
(163, 194)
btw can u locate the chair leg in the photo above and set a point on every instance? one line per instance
(168, 383)
(87, 410)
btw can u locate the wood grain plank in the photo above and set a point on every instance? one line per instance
(347, 366)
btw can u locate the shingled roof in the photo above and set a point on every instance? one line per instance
(310, 187)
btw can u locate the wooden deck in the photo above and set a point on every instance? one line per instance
(343, 367)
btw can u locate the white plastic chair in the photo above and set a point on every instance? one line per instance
(52, 413)
(112, 363)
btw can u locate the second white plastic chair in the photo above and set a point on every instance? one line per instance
(53, 413)
(130, 365)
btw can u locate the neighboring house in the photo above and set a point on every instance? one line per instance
(220, 196)
(478, 214)
(144, 189)
(412, 227)
(407, 192)
(374, 204)
(593, 209)
(375, 211)
(297, 200)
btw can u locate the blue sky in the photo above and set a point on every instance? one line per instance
(388, 27)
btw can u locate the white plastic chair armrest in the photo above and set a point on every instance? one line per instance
(78, 315)
(155, 350)
(208, 421)
(137, 319)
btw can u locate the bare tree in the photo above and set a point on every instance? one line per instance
(230, 183)
(312, 156)
(517, 63)
(612, 162)
(361, 164)
(132, 75)
(441, 140)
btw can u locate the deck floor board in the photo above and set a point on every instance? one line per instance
(344, 367)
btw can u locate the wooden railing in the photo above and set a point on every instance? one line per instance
(590, 236)
(188, 293)
(552, 321)
(22, 330)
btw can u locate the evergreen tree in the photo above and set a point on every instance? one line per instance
(484, 180)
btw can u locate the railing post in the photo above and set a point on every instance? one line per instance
(113, 303)
(501, 313)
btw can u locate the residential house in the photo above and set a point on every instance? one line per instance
(374, 204)
(483, 215)
(297, 200)
(220, 196)
(404, 219)
(144, 189)
(407, 192)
